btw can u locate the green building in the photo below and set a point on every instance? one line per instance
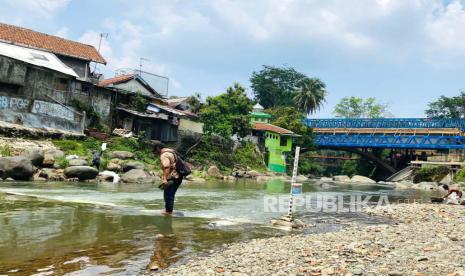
(276, 140)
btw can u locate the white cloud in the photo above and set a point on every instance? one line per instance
(62, 32)
(38, 8)
(446, 29)
(127, 40)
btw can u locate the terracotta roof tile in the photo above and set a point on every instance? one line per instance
(273, 128)
(115, 80)
(57, 45)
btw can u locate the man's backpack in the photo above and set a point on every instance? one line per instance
(183, 167)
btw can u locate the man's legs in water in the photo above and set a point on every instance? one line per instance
(169, 194)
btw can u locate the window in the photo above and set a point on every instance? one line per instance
(283, 142)
(39, 56)
(60, 84)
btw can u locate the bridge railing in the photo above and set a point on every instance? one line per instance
(386, 123)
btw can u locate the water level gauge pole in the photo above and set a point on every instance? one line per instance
(293, 184)
(288, 222)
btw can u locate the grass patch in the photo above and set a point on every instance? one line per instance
(62, 162)
(6, 150)
(81, 148)
(430, 174)
(460, 176)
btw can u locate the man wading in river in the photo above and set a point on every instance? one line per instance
(171, 178)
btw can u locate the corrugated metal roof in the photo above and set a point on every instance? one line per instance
(173, 102)
(35, 57)
(272, 128)
(174, 111)
(160, 116)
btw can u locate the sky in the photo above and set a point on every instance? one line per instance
(405, 53)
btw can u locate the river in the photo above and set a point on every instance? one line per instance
(88, 229)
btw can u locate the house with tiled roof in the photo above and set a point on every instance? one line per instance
(44, 82)
(130, 84)
(276, 140)
(153, 117)
(75, 55)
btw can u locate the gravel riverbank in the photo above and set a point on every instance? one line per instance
(424, 239)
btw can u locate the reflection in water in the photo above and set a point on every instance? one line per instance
(54, 233)
(167, 246)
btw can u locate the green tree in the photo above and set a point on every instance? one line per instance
(353, 107)
(310, 95)
(195, 102)
(290, 118)
(447, 107)
(227, 113)
(139, 102)
(274, 86)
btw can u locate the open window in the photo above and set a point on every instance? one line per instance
(283, 141)
(60, 84)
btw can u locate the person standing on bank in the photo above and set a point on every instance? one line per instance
(171, 179)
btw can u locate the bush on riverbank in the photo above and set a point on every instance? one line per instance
(460, 176)
(83, 148)
(430, 174)
(210, 151)
(214, 150)
(78, 147)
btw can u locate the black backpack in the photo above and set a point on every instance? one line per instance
(183, 167)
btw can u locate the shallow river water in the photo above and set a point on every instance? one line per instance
(89, 229)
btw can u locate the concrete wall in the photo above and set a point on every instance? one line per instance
(100, 99)
(134, 86)
(40, 98)
(188, 125)
(78, 65)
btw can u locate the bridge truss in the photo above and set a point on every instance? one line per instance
(389, 133)
(407, 123)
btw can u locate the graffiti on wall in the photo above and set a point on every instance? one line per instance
(14, 103)
(53, 109)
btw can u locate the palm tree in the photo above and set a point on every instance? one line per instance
(311, 93)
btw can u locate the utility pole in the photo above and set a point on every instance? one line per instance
(102, 35)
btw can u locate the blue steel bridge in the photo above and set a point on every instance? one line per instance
(393, 133)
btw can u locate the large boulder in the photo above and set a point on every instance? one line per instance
(122, 155)
(18, 168)
(447, 180)
(109, 176)
(52, 174)
(81, 172)
(301, 178)
(403, 185)
(51, 155)
(361, 179)
(325, 179)
(341, 178)
(114, 167)
(78, 162)
(427, 186)
(133, 165)
(253, 173)
(213, 171)
(35, 155)
(138, 176)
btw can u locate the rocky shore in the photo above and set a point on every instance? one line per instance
(423, 239)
